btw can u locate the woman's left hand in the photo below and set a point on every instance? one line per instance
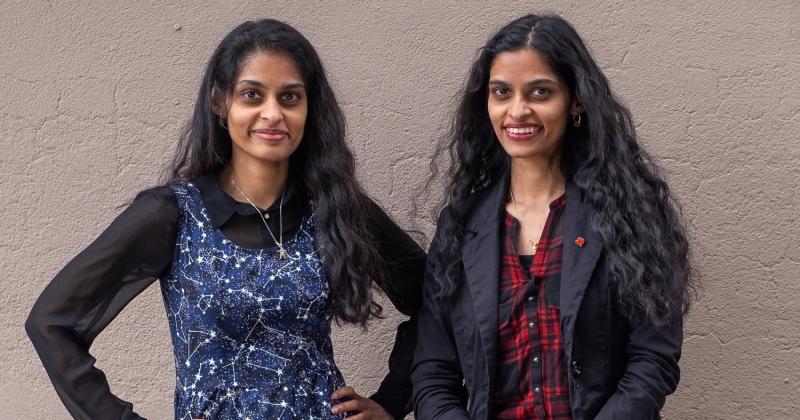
(363, 408)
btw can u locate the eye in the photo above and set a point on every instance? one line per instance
(290, 97)
(500, 91)
(250, 95)
(539, 92)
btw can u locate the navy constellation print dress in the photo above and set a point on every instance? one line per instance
(250, 331)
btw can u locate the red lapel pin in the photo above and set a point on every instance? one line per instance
(580, 241)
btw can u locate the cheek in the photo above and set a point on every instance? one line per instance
(298, 118)
(555, 117)
(496, 114)
(238, 118)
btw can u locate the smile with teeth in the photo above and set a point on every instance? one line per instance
(522, 130)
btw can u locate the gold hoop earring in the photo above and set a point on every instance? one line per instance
(576, 120)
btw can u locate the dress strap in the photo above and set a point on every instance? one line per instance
(190, 203)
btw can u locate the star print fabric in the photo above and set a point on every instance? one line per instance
(250, 331)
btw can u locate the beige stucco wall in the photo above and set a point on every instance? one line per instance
(92, 95)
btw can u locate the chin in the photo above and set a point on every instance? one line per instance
(516, 152)
(529, 150)
(273, 153)
(272, 159)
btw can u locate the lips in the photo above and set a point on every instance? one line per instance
(270, 134)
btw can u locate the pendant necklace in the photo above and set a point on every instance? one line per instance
(265, 216)
(530, 238)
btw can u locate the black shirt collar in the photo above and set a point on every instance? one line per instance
(221, 206)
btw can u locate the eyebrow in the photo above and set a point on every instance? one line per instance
(263, 86)
(530, 82)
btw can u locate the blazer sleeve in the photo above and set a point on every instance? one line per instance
(405, 262)
(89, 292)
(651, 373)
(439, 391)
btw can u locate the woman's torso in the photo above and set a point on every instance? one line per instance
(591, 329)
(250, 331)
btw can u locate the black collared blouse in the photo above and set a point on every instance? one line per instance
(138, 247)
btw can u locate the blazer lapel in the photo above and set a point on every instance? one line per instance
(582, 249)
(481, 258)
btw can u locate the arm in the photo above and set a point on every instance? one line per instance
(436, 374)
(88, 294)
(405, 268)
(651, 374)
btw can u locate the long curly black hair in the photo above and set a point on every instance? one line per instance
(636, 216)
(322, 161)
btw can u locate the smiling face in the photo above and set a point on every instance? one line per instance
(267, 109)
(529, 105)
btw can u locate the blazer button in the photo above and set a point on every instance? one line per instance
(577, 368)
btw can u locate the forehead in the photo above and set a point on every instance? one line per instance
(524, 64)
(275, 67)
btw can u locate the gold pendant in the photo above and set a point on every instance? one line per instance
(281, 253)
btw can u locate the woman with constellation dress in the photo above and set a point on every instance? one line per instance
(260, 237)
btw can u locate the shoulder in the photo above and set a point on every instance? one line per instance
(464, 211)
(152, 217)
(161, 197)
(159, 204)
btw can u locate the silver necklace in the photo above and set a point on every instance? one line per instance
(530, 238)
(263, 217)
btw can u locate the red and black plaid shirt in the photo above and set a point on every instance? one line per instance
(531, 366)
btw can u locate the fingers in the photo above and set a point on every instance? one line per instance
(354, 405)
(344, 392)
(361, 408)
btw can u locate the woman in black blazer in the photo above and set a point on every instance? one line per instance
(559, 274)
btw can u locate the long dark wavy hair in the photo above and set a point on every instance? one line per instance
(322, 163)
(636, 216)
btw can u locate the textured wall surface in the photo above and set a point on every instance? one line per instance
(92, 95)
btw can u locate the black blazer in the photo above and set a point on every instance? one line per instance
(618, 369)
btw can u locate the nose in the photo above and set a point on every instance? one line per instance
(271, 111)
(520, 109)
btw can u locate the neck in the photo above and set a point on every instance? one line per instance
(263, 183)
(536, 182)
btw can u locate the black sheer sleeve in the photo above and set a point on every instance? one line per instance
(91, 290)
(406, 267)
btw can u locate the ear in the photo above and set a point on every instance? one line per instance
(218, 106)
(576, 108)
